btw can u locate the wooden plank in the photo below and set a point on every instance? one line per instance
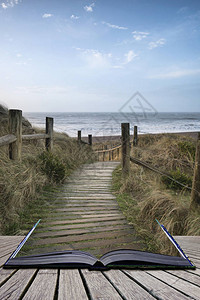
(7, 250)
(85, 225)
(108, 244)
(154, 286)
(83, 205)
(186, 275)
(82, 237)
(99, 287)
(83, 212)
(5, 274)
(83, 217)
(81, 231)
(38, 136)
(196, 272)
(71, 286)
(4, 259)
(128, 288)
(17, 284)
(43, 286)
(91, 219)
(7, 139)
(177, 283)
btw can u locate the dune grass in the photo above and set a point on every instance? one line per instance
(145, 196)
(21, 183)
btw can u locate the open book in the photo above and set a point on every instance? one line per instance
(124, 258)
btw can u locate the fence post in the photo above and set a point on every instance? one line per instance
(79, 137)
(135, 136)
(195, 194)
(15, 127)
(90, 139)
(125, 128)
(49, 131)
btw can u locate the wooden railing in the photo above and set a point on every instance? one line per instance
(14, 138)
(112, 154)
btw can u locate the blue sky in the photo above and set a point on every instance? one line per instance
(94, 55)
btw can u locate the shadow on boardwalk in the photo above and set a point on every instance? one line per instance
(85, 216)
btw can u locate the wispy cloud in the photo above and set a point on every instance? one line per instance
(156, 44)
(95, 58)
(45, 16)
(182, 10)
(42, 89)
(9, 3)
(129, 56)
(89, 8)
(176, 74)
(139, 35)
(114, 26)
(73, 17)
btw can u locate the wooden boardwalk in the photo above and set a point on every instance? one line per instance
(82, 284)
(84, 215)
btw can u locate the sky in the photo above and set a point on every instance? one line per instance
(92, 56)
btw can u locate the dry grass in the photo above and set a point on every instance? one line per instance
(151, 199)
(22, 182)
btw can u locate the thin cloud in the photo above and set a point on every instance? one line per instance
(139, 35)
(95, 58)
(73, 17)
(182, 10)
(89, 8)
(45, 16)
(176, 74)
(114, 26)
(159, 43)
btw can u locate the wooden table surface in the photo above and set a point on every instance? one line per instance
(113, 284)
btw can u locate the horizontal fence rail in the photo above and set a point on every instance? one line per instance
(7, 139)
(38, 136)
(15, 138)
(147, 166)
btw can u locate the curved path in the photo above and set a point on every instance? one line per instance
(84, 215)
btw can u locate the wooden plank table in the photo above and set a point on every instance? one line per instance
(113, 284)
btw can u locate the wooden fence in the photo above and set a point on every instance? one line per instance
(15, 138)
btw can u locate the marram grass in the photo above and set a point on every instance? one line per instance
(144, 196)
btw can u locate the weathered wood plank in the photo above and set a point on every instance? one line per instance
(83, 217)
(86, 220)
(71, 286)
(177, 283)
(43, 286)
(107, 244)
(154, 286)
(7, 139)
(196, 272)
(85, 225)
(5, 274)
(82, 237)
(127, 287)
(99, 287)
(17, 284)
(81, 231)
(38, 136)
(186, 275)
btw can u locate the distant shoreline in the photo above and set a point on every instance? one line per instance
(116, 138)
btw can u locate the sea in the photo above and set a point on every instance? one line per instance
(109, 124)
